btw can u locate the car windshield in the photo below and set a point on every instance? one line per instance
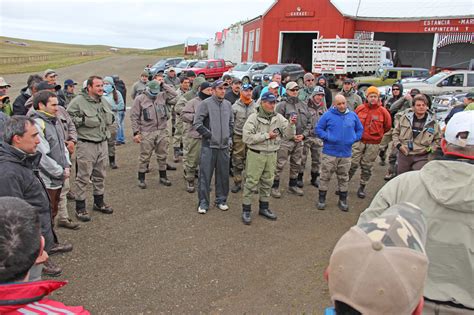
(273, 69)
(436, 77)
(242, 67)
(183, 64)
(162, 62)
(200, 64)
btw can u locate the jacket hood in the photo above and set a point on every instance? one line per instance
(450, 184)
(322, 77)
(197, 83)
(110, 80)
(9, 154)
(15, 295)
(400, 86)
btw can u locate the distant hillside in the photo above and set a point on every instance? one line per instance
(170, 51)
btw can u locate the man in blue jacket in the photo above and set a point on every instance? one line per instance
(339, 128)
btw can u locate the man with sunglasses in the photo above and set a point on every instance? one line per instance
(291, 107)
(241, 109)
(215, 123)
(353, 100)
(305, 93)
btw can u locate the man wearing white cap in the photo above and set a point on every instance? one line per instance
(443, 189)
(379, 267)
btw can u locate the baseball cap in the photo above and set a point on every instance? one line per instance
(4, 83)
(44, 85)
(205, 85)
(379, 267)
(266, 77)
(247, 86)
(308, 76)
(190, 73)
(268, 97)
(218, 83)
(144, 74)
(69, 82)
(460, 123)
(318, 90)
(171, 69)
(273, 85)
(469, 95)
(348, 80)
(236, 81)
(154, 87)
(48, 72)
(292, 85)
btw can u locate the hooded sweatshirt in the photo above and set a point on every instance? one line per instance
(353, 100)
(327, 91)
(443, 190)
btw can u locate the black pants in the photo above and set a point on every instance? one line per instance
(213, 160)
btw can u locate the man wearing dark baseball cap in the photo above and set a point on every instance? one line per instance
(353, 100)
(233, 94)
(68, 91)
(214, 121)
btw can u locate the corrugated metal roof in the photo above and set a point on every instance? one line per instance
(405, 9)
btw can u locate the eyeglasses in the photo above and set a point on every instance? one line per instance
(310, 80)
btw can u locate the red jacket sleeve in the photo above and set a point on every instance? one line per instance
(387, 120)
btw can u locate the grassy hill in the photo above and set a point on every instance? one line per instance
(22, 55)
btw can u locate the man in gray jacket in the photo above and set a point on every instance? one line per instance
(214, 121)
(353, 100)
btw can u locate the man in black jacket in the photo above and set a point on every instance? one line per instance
(19, 177)
(25, 94)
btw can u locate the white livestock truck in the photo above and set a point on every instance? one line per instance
(338, 58)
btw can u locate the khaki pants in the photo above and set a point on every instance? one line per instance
(331, 164)
(387, 138)
(364, 155)
(313, 146)
(432, 308)
(62, 207)
(191, 154)
(260, 170)
(294, 150)
(178, 132)
(91, 161)
(239, 153)
(155, 141)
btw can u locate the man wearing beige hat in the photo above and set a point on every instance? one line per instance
(171, 78)
(140, 86)
(5, 106)
(305, 93)
(380, 266)
(443, 189)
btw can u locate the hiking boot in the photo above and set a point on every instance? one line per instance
(164, 179)
(236, 188)
(141, 180)
(246, 219)
(322, 200)
(276, 193)
(81, 212)
(112, 163)
(68, 224)
(299, 180)
(50, 269)
(294, 189)
(342, 203)
(264, 211)
(190, 187)
(315, 179)
(100, 206)
(60, 248)
(361, 192)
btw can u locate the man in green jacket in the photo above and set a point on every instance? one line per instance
(262, 133)
(92, 117)
(443, 189)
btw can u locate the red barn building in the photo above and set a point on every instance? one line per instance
(423, 33)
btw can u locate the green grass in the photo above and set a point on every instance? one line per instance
(170, 51)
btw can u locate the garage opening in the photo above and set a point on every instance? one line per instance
(296, 47)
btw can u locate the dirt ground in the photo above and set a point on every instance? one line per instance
(156, 254)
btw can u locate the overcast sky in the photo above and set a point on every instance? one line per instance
(121, 23)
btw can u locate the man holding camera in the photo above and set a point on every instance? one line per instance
(262, 133)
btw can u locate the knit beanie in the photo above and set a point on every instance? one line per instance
(372, 90)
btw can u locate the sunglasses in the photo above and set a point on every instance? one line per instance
(293, 90)
(310, 80)
(395, 89)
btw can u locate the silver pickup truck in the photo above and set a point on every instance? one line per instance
(459, 81)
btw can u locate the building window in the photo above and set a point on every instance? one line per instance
(251, 41)
(246, 36)
(257, 39)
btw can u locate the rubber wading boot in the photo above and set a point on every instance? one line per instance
(164, 179)
(275, 189)
(294, 189)
(322, 200)
(265, 211)
(361, 192)
(99, 205)
(112, 163)
(342, 203)
(315, 179)
(299, 180)
(141, 180)
(246, 219)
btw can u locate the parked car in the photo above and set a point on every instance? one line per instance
(459, 81)
(162, 65)
(295, 71)
(182, 66)
(443, 104)
(244, 71)
(388, 76)
(212, 68)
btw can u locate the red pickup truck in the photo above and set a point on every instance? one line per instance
(212, 68)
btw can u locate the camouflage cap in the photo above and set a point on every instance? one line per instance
(380, 267)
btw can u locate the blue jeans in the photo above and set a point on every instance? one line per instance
(121, 127)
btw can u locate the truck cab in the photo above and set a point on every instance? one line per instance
(388, 76)
(212, 68)
(460, 81)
